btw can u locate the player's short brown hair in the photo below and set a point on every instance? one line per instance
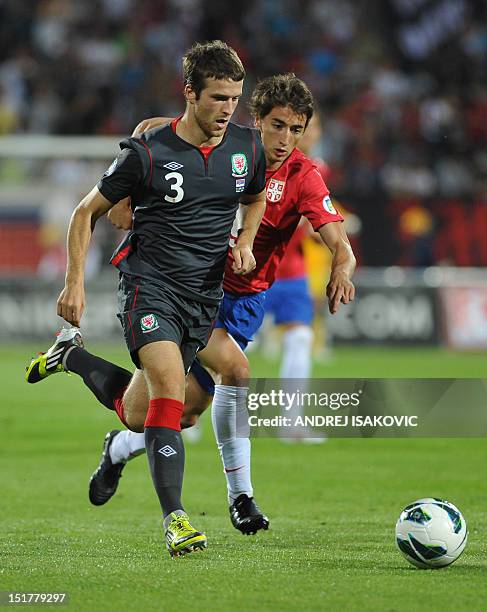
(282, 90)
(211, 59)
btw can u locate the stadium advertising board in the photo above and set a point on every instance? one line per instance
(388, 315)
(465, 316)
(27, 309)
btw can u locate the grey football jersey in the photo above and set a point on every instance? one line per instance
(184, 206)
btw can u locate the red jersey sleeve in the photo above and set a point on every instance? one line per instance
(314, 200)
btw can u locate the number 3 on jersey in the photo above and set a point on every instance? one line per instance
(177, 177)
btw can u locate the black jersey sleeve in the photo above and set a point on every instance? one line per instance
(122, 177)
(257, 184)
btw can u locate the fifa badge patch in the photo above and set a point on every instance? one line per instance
(239, 185)
(275, 189)
(149, 323)
(112, 167)
(239, 165)
(328, 206)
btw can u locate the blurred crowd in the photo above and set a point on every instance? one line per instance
(401, 85)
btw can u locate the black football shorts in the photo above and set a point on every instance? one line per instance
(151, 312)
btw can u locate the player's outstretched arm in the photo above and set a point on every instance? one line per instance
(340, 288)
(121, 214)
(252, 213)
(71, 301)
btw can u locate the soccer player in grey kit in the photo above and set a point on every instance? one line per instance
(186, 181)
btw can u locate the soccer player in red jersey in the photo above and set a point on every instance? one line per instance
(289, 301)
(282, 106)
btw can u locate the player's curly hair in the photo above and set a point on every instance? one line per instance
(211, 59)
(281, 90)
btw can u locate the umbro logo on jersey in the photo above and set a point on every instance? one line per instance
(173, 165)
(167, 451)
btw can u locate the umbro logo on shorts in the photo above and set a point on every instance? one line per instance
(167, 451)
(173, 165)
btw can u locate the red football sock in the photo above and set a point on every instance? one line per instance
(118, 405)
(164, 412)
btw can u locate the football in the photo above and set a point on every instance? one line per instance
(431, 533)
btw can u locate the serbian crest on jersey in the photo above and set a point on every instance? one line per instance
(239, 165)
(275, 189)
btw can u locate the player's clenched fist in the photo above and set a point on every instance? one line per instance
(244, 260)
(121, 215)
(71, 305)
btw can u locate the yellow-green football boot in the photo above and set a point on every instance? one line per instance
(51, 361)
(181, 537)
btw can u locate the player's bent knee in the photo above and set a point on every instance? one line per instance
(135, 418)
(135, 424)
(241, 372)
(235, 371)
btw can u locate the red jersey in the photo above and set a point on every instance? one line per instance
(295, 189)
(293, 264)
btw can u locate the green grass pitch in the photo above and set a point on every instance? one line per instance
(332, 507)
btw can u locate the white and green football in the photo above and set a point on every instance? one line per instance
(431, 533)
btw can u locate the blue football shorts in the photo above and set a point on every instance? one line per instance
(289, 301)
(241, 316)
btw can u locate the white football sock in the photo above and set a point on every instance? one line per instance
(296, 364)
(229, 416)
(193, 434)
(297, 346)
(126, 445)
